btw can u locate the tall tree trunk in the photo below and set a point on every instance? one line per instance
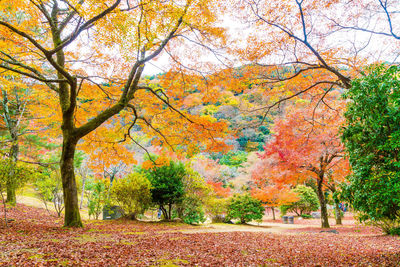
(169, 211)
(12, 126)
(11, 195)
(72, 217)
(338, 215)
(322, 203)
(273, 213)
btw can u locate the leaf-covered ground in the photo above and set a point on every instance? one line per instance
(35, 238)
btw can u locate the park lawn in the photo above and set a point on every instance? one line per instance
(36, 238)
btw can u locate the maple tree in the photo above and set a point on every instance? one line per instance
(269, 193)
(313, 46)
(58, 43)
(273, 196)
(306, 144)
(306, 203)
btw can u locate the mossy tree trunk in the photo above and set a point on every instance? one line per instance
(66, 85)
(72, 217)
(322, 202)
(12, 124)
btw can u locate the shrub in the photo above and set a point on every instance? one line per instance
(306, 216)
(132, 194)
(217, 208)
(192, 211)
(308, 201)
(245, 208)
(197, 192)
(394, 231)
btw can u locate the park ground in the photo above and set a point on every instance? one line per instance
(36, 238)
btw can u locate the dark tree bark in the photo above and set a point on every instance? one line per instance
(165, 213)
(322, 202)
(72, 217)
(169, 211)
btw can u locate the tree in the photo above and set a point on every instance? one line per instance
(45, 42)
(49, 188)
(132, 194)
(167, 185)
(245, 208)
(98, 190)
(269, 193)
(308, 201)
(18, 142)
(306, 144)
(371, 137)
(12, 115)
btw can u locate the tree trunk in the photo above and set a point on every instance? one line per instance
(164, 211)
(273, 213)
(11, 195)
(169, 211)
(5, 209)
(338, 215)
(132, 216)
(72, 217)
(322, 203)
(12, 126)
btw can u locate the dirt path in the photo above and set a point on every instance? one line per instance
(262, 227)
(34, 202)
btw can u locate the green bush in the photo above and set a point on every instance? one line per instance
(132, 194)
(197, 193)
(306, 216)
(308, 201)
(192, 211)
(245, 208)
(394, 231)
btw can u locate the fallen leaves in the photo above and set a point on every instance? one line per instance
(34, 238)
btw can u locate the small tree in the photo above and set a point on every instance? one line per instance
(11, 171)
(98, 194)
(132, 193)
(49, 189)
(245, 208)
(308, 201)
(167, 185)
